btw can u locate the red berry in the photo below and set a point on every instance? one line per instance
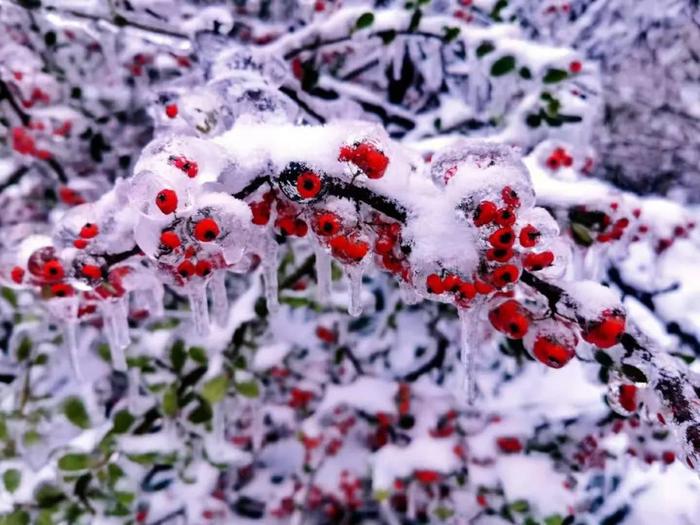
(61, 290)
(502, 238)
(510, 197)
(203, 268)
(467, 290)
(668, 457)
(529, 236)
(189, 167)
(505, 217)
(170, 239)
(171, 110)
(308, 185)
(89, 230)
(357, 250)
(367, 157)
(384, 245)
(537, 261)
(553, 162)
(451, 283)
(17, 274)
(426, 476)
(509, 445)
(628, 397)
(434, 284)
(505, 275)
(575, 67)
(70, 197)
(91, 271)
(53, 270)
(300, 228)
(482, 288)
(548, 351)
(327, 224)
(186, 269)
(206, 230)
(80, 243)
(485, 213)
(261, 213)
(499, 254)
(166, 200)
(286, 225)
(510, 318)
(607, 331)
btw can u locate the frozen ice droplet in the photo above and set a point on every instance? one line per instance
(323, 273)
(197, 295)
(355, 276)
(466, 375)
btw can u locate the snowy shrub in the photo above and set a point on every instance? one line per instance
(305, 262)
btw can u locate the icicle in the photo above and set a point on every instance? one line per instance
(323, 273)
(355, 276)
(219, 423)
(122, 318)
(219, 298)
(199, 308)
(112, 314)
(71, 341)
(132, 392)
(466, 376)
(270, 276)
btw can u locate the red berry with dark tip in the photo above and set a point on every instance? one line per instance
(485, 213)
(505, 275)
(170, 240)
(206, 230)
(308, 185)
(502, 238)
(551, 353)
(166, 200)
(203, 268)
(505, 217)
(61, 290)
(89, 230)
(53, 270)
(606, 331)
(538, 261)
(80, 244)
(434, 284)
(91, 271)
(186, 269)
(528, 236)
(327, 224)
(17, 274)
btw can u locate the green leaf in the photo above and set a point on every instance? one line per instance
(178, 355)
(248, 389)
(365, 20)
(3, 428)
(9, 295)
(170, 402)
(520, 505)
(503, 66)
(484, 49)
(554, 75)
(74, 410)
(48, 495)
(581, 234)
(525, 73)
(74, 462)
(202, 413)
(555, 519)
(451, 33)
(24, 349)
(18, 517)
(31, 437)
(11, 478)
(198, 355)
(214, 390)
(122, 421)
(44, 518)
(635, 374)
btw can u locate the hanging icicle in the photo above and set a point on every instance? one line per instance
(355, 276)
(323, 273)
(200, 308)
(466, 374)
(219, 298)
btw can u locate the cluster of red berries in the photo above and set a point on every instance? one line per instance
(187, 166)
(288, 222)
(24, 143)
(88, 231)
(203, 230)
(387, 247)
(70, 197)
(558, 158)
(366, 157)
(47, 272)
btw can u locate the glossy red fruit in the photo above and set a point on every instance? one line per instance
(187, 166)
(52, 270)
(17, 274)
(538, 261)
(206, 230)
(467, 290)
(80, 244)
(89, 230)
(510, 318)
(327, 224)
(186, 269)
(61, 290)
(499, 254)
(367, 157)
(166, 200)
(529, 235)
(170, 240)
(485, 213)
(505, 217)
(505, 275)
(451, 283)
(300, 228)
(426, 476)
(575, 67)
(509, 445)
(606, 331)
(203, 268)
(261, 213)
(502, 238)
(286, 225)
(308, 185)
(628, 397)
(384, 244)
(91, 271)
(434, 284)
(510, 197)
(171, 110)
(357, 250)
(551, 353)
